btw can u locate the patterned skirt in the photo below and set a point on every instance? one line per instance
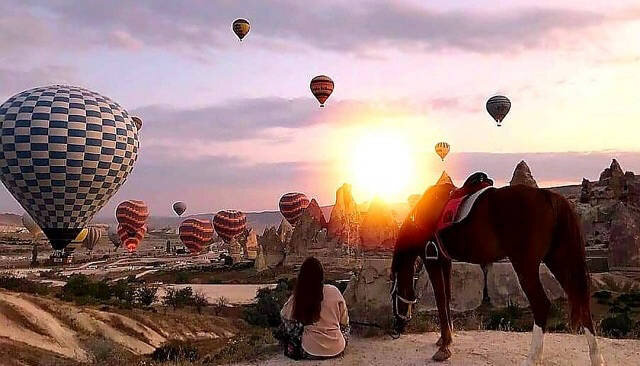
(289, 334)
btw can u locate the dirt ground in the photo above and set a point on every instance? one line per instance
(475, 348)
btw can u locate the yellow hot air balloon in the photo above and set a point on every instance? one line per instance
(241, 28)
(442, 149)
(81, 236)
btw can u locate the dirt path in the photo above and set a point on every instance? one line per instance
(476, 348)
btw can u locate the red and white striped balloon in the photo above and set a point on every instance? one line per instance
(195, 234)
(132, 215)
(131, 241)
(292, 206)
(229, 224)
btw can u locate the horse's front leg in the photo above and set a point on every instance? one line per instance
(436, 275)
(446, 271)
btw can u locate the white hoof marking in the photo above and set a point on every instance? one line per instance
(594, 352)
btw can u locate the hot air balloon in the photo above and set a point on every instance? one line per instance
(138, 122)
(81, 236)
(229, 224)
(112, 234)
(64, 152)
(321, 87)
(442, 149)
(292, 206)
(31, 226)
(241, 28)
(195, 234)
(93, 235)
(498, 106)
(131, 240)
(179, 208)
(132, 215)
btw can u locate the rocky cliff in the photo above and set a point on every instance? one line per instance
(379, 229)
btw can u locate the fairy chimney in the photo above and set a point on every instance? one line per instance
(522, 175)
(379, 229)
(316, 213)
(444, 179)
(344, 221)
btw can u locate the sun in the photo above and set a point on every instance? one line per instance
(380, 165)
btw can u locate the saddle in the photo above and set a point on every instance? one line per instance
(457, 208)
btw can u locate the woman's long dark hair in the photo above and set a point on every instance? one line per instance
(307, 296)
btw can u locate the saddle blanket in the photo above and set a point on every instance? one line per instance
(458, 209)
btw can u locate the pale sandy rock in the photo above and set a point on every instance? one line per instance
(522, 175)
(345, 218)
(379, 229)
(467, 284)
(503, 286)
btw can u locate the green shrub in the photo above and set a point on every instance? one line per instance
(17, 284)
(175, 351)
(510, 318)
(616, 325)
(266, 311)
(146, 295)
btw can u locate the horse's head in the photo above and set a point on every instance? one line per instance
(417, 229)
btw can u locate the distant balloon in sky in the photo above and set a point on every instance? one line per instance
(292, 205)
(93, 236)
(442, 149)
(112, 234)
(31, 226)
(195, 234)
(241, 28)
(498, 106)
(321, 87)
(179, 208)
(229, 224)
(64, 152)
(138, 122)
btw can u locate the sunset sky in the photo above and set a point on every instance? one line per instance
(234, 125)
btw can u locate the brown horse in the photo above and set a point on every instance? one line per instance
(526, 225)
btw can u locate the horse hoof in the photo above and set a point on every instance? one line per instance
(441, 355)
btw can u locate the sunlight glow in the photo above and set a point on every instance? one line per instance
(380, 165)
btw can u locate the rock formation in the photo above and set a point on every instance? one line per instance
(344, 222)
(315, 212)
(609, 210)
(271, 247)
(260, 263)
(251, 245)
(444, 178)
(522, 175)
(379, 229)
(467, 283)
(305, 234)
(284, 231)
(367, 294)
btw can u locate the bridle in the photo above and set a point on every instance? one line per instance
(395, 297)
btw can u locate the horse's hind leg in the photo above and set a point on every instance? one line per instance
(436, 276)
(576, 286)
(529, 278)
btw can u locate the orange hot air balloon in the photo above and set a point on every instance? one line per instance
(132, 215)
(292, 205)
(131, 240)
(442, 149)
(241, 28)
(321, 87)
(195, 234)
(229, 224)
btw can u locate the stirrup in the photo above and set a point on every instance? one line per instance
(426, 251)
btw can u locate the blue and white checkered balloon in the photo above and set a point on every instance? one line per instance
(64, 151)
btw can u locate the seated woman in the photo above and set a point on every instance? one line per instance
(315, 318)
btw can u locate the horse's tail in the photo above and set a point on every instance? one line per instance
(567, 260)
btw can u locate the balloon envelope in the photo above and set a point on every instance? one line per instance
(321, 87)
(132, 215)
(138, 122)
(292, 206)
(64, 152)
(498, 106)
(195, 234)
(229, 224)
(241, 28)
(442, 149)
(179, 208)
(93, 236)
